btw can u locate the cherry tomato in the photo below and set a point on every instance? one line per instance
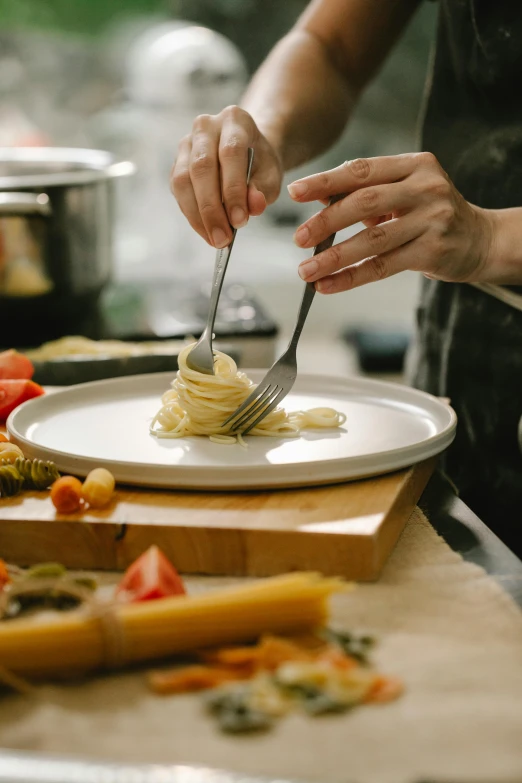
(15, 365)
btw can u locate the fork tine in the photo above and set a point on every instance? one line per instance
(273, 403)
(255, 410)
(258, 391)
(256, 406)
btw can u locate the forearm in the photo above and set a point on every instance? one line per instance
(299, 99)
(504, 264)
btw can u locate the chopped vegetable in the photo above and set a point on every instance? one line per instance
(59, 571)
(44, 586)
(385, 689)
(309, 680)
(189, 678)
(87, 582)
(98, 487)
(151, 576)
(14, 365)
(357, 647)
(274, 651)
(66, 495)
(14, 392)
(336, 658)
(19, 605)
(268, 655)
(269, 678)
(46, 571)
(10, 452)
(236, 711)
(62, 597)
(4, 574)
(316, 700)
(3, 438)
(241, 720)
(240, 659)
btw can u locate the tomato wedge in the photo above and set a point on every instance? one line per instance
(151, 576)
(14, 393)
(15, 365)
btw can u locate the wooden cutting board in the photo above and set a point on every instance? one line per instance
(344, 529)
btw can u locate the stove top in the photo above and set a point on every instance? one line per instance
(167, 310)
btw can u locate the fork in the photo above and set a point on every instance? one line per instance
(281, 376)
(201, 357)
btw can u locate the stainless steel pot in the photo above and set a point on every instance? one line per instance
(56, 220)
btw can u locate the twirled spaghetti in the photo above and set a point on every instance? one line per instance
(198, 404)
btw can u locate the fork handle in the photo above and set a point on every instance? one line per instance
(222, 262)
(309, 291)
(306, 302)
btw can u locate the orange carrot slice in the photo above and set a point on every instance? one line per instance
(385, 689)
(190, 679)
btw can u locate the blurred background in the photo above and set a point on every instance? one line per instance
(128, 77)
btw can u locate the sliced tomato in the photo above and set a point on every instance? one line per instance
(15, 365)
(150, 576)
(14, 393)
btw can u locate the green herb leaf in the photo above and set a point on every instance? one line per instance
(45, 571)
(357, 647)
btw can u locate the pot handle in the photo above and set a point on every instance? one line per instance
(12, 203)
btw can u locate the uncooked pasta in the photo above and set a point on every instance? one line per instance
(198, 404)
(117, 634)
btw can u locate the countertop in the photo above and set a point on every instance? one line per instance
(425, 562)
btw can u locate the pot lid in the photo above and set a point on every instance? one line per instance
(41, 167)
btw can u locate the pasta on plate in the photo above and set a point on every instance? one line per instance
(198, 404)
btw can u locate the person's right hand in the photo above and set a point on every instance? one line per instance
(208, 178)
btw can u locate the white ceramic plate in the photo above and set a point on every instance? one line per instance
(106, 423)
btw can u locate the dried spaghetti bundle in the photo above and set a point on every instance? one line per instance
(83, 641)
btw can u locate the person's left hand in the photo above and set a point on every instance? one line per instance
(415, 219)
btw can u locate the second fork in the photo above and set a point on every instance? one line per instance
(281, 376)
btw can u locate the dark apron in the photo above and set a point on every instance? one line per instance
(469, 345)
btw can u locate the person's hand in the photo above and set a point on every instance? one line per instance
(208, 178)
(415, 219)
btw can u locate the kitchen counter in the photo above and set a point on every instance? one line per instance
(443, 626)
(454, 522)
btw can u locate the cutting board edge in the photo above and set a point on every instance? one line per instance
(113, 547)
(413, 485)
(101, 543)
